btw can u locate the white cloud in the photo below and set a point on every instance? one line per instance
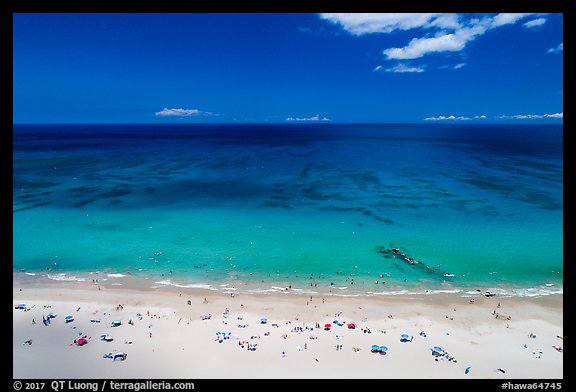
(448, 21)
(313, 118)
(534, 23)
(531, 116)
(451, 42)
(399, 68)
(454, 66)
(181, 113)
(455, 118)
(360, 24)
(557, 49)
(502, 117)
(418, 47)
(507, 18)
(450, 32)
(449, 118)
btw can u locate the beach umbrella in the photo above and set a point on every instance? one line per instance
(436, 348)
(327, 326)
(375, 348)
(351, 326)
(52, 315)
(467, 370)
(383, 348)
(68, 319)
(81, 341)
(263, 320)
(405, 338)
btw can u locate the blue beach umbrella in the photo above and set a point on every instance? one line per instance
(436, 348)
(404, 336)
(263, 320)
(467, 370)
(68, 319)
(375, 348)
(383, 348)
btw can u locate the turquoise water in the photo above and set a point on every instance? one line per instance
(263, 206)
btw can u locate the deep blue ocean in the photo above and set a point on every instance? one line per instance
(315, 206)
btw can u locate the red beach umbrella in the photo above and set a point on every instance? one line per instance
(81, 342)
(327, 326)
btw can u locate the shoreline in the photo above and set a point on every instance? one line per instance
(167, 333)
(135, 282)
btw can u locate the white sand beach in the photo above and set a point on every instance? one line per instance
(200, 334)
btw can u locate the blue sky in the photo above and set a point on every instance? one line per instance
(198, 68)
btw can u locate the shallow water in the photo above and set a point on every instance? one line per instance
(297, 204)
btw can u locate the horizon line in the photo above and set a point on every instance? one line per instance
(321, 123)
